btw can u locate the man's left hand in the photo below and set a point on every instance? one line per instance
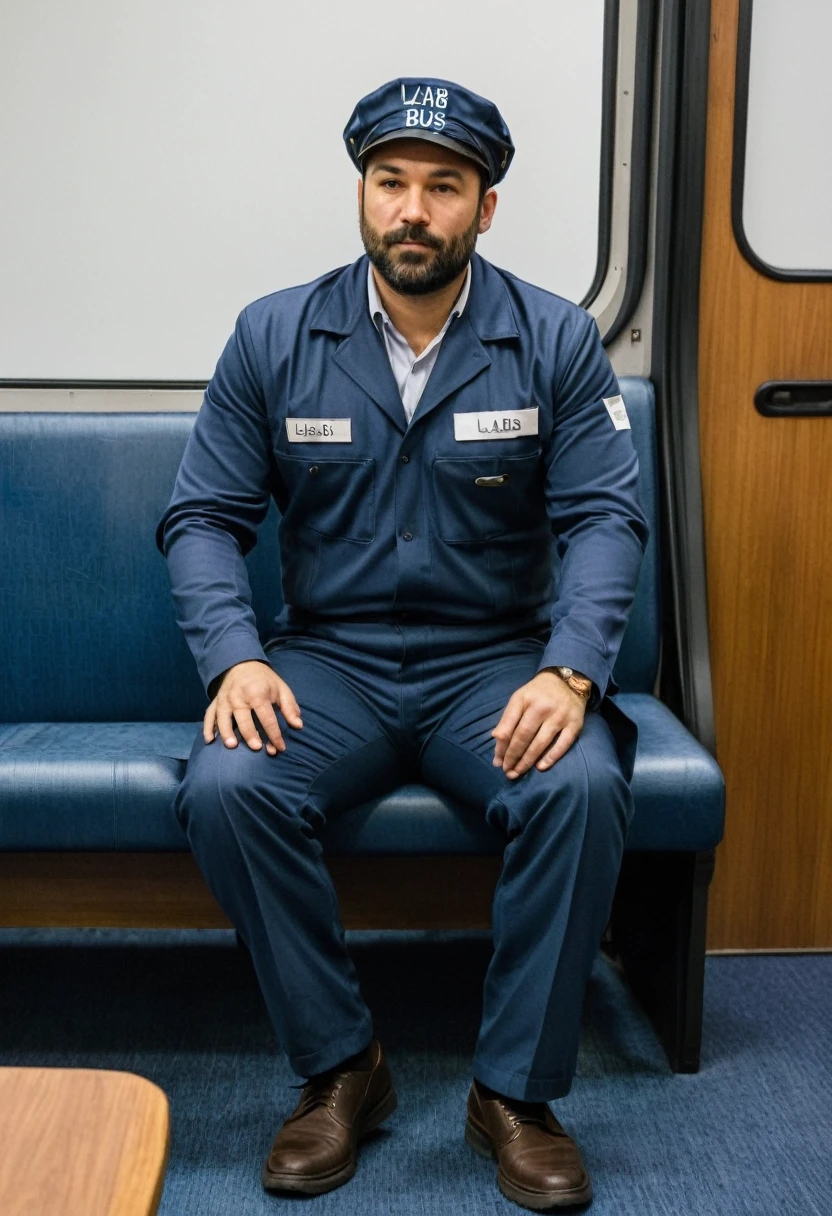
(539, 725)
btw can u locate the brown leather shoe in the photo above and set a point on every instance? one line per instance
(316, 1149)
(538, 1165)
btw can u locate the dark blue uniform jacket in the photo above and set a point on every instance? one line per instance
(393, 522)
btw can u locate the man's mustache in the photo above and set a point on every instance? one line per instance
(414, 234)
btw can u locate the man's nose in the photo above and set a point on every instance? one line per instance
(413, 209)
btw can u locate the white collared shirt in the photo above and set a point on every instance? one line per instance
(411, 371)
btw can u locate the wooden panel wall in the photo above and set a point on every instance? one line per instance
(767, 486)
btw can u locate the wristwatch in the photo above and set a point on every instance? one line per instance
(582, 685)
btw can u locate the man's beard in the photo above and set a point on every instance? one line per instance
(415, 272)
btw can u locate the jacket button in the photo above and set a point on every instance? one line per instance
(405, 459)
(407, 536)
(313, 469)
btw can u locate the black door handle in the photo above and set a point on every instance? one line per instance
(794, 398)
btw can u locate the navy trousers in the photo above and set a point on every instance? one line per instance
(372, 697)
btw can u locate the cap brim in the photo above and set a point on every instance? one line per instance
(430, 137)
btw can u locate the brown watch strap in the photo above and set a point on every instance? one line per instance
(582, 685)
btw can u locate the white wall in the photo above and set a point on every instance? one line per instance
(165, 162)
(787, 203)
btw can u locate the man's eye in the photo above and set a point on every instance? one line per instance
(443, 187)
(392, 182)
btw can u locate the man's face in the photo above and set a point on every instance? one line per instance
(420, 211)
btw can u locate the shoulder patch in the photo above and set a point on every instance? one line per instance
(618, 412)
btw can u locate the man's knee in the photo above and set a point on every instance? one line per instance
(221, 786)
(585, 787)
(609, 799)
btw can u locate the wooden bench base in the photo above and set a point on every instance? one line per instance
(167, 891)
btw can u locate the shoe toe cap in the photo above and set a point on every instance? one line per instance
(546, 1171)
(304, 1157)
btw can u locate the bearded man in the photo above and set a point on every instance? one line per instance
(433, 431)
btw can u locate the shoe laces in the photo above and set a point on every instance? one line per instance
(525, 1112)
(319, 1091)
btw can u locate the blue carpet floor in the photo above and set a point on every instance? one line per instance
(750, 1134)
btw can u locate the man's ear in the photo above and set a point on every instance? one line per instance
(489, 206)
(360, 192)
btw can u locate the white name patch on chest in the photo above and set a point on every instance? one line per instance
(496, 424)
(618, 412)
(319, 430)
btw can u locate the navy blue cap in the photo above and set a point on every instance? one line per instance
(436, 110)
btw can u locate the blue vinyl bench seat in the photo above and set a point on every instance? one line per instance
(100, 696)
(110, 786)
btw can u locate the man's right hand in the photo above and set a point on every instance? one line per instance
(248, 686)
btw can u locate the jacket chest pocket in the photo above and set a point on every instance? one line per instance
(481, 498)
(335, 497)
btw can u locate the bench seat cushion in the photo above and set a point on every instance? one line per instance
(110, 786)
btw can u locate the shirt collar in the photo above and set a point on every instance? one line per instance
(377, 308)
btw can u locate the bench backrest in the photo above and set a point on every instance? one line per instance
(87, 627)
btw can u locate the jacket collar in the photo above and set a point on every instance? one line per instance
(488, 309)
(361, 353)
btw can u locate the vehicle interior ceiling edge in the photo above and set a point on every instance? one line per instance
(743, 74)
(606, 303)
(686, 685)
(99, 396)
(639, 161)
(608, 97)
(109, 385)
